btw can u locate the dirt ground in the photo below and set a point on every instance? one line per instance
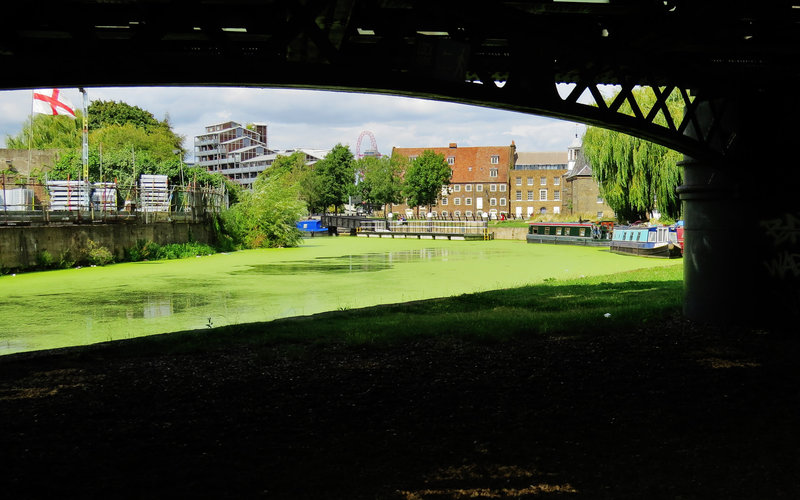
(681, 412)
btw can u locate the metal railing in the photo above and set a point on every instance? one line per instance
(26, 203)
(422, 226)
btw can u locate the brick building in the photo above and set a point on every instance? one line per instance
(480, 181)
(581, 194)
(537, 183)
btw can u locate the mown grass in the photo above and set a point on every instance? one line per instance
(579, 307)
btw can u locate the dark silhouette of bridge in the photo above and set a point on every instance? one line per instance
(732, 64)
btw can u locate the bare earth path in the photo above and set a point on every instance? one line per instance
(681, 412)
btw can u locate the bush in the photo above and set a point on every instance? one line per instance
(44, 259)
(183, 250)
(98, 255)
(142, 250)
(65, 260)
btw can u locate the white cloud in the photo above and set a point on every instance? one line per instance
(321, 119)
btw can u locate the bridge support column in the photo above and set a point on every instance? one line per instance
(742, 218)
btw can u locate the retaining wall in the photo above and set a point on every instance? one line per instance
(20, 245)
(509, 233)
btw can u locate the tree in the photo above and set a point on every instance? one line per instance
(267, 216)
(334, 177)
(424, 179)
(104, 114)
(381, 181)
(47, 132)
(636, 176)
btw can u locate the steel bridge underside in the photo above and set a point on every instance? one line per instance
(731, 63)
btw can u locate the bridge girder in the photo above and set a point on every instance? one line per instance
(507, 54)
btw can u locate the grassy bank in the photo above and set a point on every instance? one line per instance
(578, 307)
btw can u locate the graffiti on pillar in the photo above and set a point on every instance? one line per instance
(783, 229)
(784, 233)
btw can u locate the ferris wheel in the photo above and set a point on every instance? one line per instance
(372, 151)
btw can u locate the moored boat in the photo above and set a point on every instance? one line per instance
(647, 241)
(570, 233)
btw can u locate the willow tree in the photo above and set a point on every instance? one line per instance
(636, 176)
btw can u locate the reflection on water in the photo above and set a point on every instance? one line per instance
(358, 263)
(158, 307)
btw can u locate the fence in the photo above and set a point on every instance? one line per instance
(70, 201)
(426, 228)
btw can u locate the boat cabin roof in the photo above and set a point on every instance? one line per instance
(567, 224)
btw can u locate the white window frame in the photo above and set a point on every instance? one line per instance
(467, 201)
(456, 188)
(492, 202)
(556, 195)
(519, 181)
(444, 200)
(542, 181)
(502, 202)
(493, 172)
(493, 187)
(468, 188)
(456, 201)
(530, 196)
(451, 160)
(542, 195)
(530, 181)
(479, 187)
(495, 159)
(519, 195)
(556, 181)
(502, 188)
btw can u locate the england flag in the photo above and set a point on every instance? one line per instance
(52, 102)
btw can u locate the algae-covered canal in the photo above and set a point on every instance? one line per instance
(82, 306)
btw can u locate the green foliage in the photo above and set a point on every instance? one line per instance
(334, 177)
(266, 217)
(381, 182)
(142, 250)
(48, 132)
(184, 250)
(149, 250)
(425, 177)
(636, 176)
(98, 255)
(65, 260)
(108, 114)
(44, 259)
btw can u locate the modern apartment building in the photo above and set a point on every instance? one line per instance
(227, 147)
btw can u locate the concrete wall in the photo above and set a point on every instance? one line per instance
(509, 233)
(19, 246)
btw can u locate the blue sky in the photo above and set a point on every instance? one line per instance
(321, 119)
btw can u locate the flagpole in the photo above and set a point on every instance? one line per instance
(30, 148)
(85, 155)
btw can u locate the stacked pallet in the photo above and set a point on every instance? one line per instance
(16, 199)
(153, 193)
(104, 196)
(68, 195)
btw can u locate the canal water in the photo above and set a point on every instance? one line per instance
(95, 304)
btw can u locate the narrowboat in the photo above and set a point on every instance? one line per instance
(570, 233)
(311, 227)
(647, 241)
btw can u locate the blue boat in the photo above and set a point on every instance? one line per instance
(646, 241)
(310, 227)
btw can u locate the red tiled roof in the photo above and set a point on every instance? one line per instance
(471, 164)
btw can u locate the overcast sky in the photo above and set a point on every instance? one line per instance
(320, 119)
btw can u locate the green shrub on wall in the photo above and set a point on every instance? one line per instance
(98, 255)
